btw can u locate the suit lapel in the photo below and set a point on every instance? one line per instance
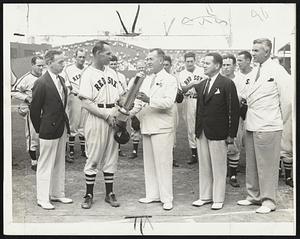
(254, 86)
(213, 89)
(52, 85)
(155, 86)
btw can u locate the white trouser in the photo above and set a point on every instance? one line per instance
(76, 114)
(212, 168)
(158, 160)
(32, 138)
(50, 175)
(189, 116)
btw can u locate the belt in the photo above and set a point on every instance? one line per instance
(106, 105)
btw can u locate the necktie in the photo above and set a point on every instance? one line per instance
(153, 80)
(207, 87)
(60, 88)
(258, 72)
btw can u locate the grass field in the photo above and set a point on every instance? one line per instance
(129, 187)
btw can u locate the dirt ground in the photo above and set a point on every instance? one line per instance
(129, 187)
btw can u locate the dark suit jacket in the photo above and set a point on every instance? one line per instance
(218, 114)
(47, 110)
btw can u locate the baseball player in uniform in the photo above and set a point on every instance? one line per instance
(99, 91)
(190, 76)
(72, 74)
(155, 101)
(167, 67)
(22, 90)
(113, 64)
(136, 130)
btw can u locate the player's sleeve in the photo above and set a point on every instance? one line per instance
(19, 89)
(165, 102)
(86, 88)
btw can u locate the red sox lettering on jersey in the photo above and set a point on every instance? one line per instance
(100, 83)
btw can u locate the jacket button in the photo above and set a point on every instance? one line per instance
(53, 123)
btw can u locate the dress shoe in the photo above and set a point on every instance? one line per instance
(193, 160)
(217, 206)
(264, 210)
(62, 200)
(246, 203)
(45, 205)
(87, 203)
(121, 154)
(133, 155)
(175, 164)
(112, 200)
(200, 202)
(289, 182)
(148, 200)
(70, 158)
(168, 206)
(233, 182)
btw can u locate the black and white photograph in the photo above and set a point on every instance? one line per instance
(149, 118)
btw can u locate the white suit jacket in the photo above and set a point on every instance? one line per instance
(157, 116)
(268, 98)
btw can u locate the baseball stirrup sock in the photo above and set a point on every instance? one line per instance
(32, 154)
(109, 180)
(287, 169)
(194, 151)
(90, 181)
(233, 163)
(82, 143)
(71, 143)
(135, 145)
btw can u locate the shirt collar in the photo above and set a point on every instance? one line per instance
(53, 76)
(267, 62)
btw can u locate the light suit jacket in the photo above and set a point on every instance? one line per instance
(268, 97)
(157, 116)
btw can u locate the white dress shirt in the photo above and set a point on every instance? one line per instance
(57, 84)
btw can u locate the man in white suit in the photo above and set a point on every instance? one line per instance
(155, 102)
(264, 123)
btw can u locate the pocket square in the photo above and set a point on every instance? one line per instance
(271, 79)
(217, 91)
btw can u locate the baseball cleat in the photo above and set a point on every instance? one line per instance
(87, 203)
(121, 154)
(193, 160)
(133, 155)
(34, 165)
(289, 182)
(112, 200)
(70, 158)
(83, 154)
(233, 182)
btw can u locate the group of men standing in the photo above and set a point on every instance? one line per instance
(222, 109)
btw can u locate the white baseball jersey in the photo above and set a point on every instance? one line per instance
(76, 115)
(186, 77)
(242, 82)
(101, 87)
(122, 80)
(190, 101)
(72, 74)
(21, 90)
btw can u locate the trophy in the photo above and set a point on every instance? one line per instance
(122, 115)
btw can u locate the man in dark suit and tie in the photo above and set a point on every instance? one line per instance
(49, 118)
(217, 119)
